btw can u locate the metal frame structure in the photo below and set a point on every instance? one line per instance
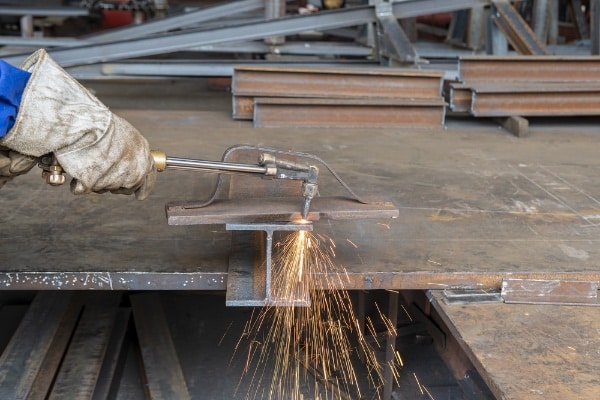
(157, 37)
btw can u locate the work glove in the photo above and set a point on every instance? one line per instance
(13, 163)
(100, 150)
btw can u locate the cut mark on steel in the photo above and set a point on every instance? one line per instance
(542, 291)
(250, 264)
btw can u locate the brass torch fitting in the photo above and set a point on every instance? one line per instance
(160, 159)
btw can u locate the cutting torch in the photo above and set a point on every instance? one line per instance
(268, 166)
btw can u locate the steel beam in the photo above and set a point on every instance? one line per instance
(529, 68)
(336, 82)
(251, 265)
(44, 11)
(500, 100)
(459, 98)
(348, 113)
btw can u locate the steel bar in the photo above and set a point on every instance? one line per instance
(580, 19)
(83, 360)
(23, 359)
(516, 30)
(251, 265)
(40, 41)
(297, 48)
(540, 19)
(348, 113)
(119, 280)
(44, 11)
(276, 209)
(529, 68)
(337, 82)
(169, 68)
(416, 8)
(114, 358)
(496, 42)
(164, 377)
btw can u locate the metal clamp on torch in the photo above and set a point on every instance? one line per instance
(268, 166)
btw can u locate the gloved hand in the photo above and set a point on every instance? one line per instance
(100, 150)
(13, 164)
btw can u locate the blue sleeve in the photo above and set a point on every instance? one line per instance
(12, 84)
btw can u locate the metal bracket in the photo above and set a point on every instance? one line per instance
(250, 264)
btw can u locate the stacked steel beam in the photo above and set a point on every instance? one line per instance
(526, 86)
(337, 97)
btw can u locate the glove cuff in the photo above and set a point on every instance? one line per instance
(56, 112)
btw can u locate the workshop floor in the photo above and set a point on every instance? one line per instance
(205, 332)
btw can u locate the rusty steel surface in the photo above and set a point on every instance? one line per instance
(242, 107)
(250, 273)
(477, 69)
(268, 209)
(475, 206)
(280, 112)
(459, 97)
(561, 292)
(502, 101)
(335, 82)
(525, 351)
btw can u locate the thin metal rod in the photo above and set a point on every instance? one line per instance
(193, 164)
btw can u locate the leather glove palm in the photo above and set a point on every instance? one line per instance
(13, 164)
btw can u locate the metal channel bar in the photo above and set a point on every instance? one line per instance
(335, 82)
(528, 68)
